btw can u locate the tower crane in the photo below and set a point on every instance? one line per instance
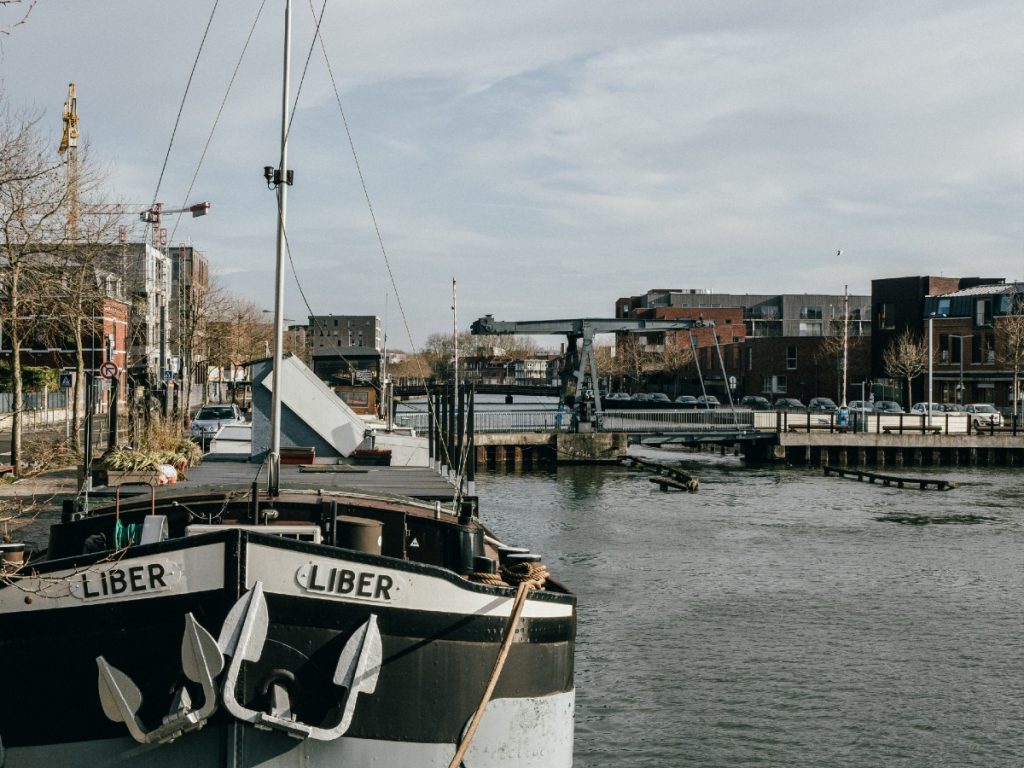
(69, 144)
(583, 361)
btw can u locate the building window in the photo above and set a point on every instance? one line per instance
(887, 316)
(983, 312)
(774, 385)
(810, 313)
(790, 358)
(810, 329)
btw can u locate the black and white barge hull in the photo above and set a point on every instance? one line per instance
(241, 646)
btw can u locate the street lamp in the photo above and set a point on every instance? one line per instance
(931, 361)
(960, 386)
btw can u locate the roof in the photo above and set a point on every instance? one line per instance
(990, 289)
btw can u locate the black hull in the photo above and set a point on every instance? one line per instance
(439, 637)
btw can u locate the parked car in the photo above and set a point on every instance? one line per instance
(659, 397)
(821, 404)
(616, 396)
(922, 408)
(953, 408)
(755, 403)
(211, 417)
(887, 406)
(707, 401)
(984, 414)
(860, 406)
(687, 401)
(640, 397)
(789, 404)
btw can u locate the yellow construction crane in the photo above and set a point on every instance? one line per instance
(70, 137)
(69, 144)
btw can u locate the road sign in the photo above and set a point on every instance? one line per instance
(108, 370)
(67, 380)
(168, 375)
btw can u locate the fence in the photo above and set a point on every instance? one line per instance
(35, 401)
(519, 420)
(720, 420)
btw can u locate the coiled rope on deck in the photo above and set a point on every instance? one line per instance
(513, 574)
(499, 663)
(526, 572)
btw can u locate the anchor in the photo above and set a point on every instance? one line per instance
(242, 638)
(201, 661)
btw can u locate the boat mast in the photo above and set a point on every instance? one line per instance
(455, 343)
(283, 180)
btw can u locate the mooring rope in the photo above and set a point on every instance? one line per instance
(490, 579)
(519, 573)
(499, 663)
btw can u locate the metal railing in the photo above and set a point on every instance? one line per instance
(665, 420)
(34, 401)
(724, 420)
(519, 420)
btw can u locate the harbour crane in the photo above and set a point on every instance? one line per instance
(581, 362)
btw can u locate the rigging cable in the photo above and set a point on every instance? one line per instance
(362, 182)
(318, 36)
(432, 415)
(181, 107)
(216, 120)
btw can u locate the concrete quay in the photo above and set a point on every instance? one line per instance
(894, 450)
(531, 449)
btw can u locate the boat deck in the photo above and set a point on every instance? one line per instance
(416, 482)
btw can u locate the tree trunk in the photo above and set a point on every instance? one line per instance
(78, 408)
(17, 406)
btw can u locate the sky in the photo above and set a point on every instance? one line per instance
(551, 157)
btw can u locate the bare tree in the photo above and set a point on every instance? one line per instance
(633, 360)
(906, 358)
(23, 11)
(83, 288)
(829, 353)
(33, 194)
(1010, 345)
(236, 332)
(678, 355)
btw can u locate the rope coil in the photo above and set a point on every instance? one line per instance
(526, 572)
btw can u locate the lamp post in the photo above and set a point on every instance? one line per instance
(846, 337)
(960, 386)
(931, 362)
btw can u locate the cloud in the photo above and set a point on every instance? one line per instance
(554, 157)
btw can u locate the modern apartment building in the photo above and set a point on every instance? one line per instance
(340, 331)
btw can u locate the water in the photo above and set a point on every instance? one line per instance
(772, 619)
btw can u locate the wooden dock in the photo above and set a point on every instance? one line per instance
(923, 483)
(665, 476)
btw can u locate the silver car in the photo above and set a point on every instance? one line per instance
(211, 417)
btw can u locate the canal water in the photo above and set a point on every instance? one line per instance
(782, 618)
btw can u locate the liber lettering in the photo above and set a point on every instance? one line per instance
(348, 583)
(122, 581)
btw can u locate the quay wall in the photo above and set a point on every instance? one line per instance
(871, 449)
(530, 449)
(881, 450)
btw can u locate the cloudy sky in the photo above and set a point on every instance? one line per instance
(554, 156)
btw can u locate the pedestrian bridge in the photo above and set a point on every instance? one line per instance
(720, 425)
